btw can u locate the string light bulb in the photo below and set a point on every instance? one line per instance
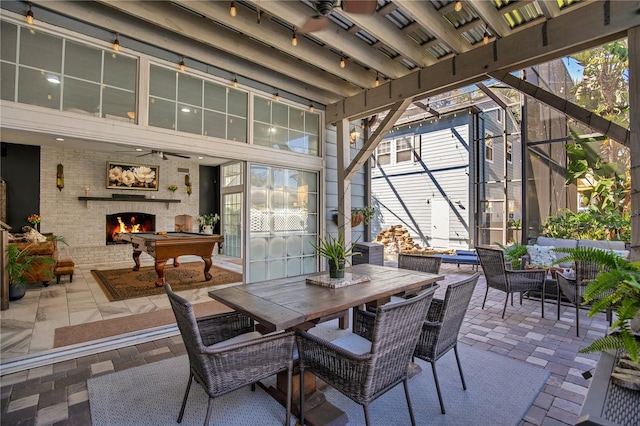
(342, 62)
(485, 38)
(294, 40)
(235, 82)
(29, 16)
(232, 9)
(181, 66)
(116, 44)
(311, 108)
(458, 6)
(277, 96)
(377, 80)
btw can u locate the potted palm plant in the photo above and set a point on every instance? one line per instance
(337, 252)
(19, 262)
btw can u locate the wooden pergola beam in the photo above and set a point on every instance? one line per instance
(584, 116)
(590, 26)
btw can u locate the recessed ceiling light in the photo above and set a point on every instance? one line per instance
(53, 79)
(200, 158)
(60, 139)
(185, 109)
(138, 149)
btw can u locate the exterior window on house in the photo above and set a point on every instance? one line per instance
(509, 151)
(403, 149)
(499, 114)
(384, 153)
(488, 147)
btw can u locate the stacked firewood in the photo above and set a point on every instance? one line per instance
(396, 239)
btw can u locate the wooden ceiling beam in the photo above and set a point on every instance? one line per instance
(280, 37)
(489, 14)
(518, 50)
(382, 29)
(297, 13)
(429, 18)
(494, 96)
(514, 5)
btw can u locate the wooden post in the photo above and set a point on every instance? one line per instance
(4, 287)
(633, 36)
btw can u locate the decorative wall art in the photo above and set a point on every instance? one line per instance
(132, 176)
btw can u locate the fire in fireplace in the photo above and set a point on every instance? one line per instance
(128, 222)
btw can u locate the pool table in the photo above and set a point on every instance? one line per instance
(163, 246)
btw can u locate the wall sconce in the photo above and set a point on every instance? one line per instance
(187, 183)
(354, 134)
(60, 177)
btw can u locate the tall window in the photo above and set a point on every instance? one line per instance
(190, 104)
(403, 149)
(488, 147)
(280, 126)
(62, 74)
(284, 222)
(384, 153)
(509, 152)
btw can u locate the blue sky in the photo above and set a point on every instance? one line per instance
(575, 69)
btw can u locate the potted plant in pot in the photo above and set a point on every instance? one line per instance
(616, 286)
(208, 221)
(18, 264)
(337, 252)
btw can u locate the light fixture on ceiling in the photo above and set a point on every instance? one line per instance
(181, 66)
(354, 134)
(343, 63)
(60, 139)
(277, 95)
(311, 108)
(29, 16)
(53, 79)
(116, 43)
(458, 6)
(232, 9)
(485, 37)
(377, 79)
(235, 82)
(294, 39)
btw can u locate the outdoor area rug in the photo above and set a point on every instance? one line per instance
(499, 392)
(86, 332)
(121, 284)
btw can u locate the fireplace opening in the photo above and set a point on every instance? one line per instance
(128, 222)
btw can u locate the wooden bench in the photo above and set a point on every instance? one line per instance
(64, 267)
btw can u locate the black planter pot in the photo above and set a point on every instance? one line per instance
(16, 292)
(336, 272)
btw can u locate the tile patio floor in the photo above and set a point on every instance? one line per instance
(57, 393)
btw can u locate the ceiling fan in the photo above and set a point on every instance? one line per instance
(163, 154)
(158, 153)
(325, 7)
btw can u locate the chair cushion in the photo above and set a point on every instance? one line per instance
(238, 339)
(557, 242)
(354, 344)
(541, 255)
(602, 244)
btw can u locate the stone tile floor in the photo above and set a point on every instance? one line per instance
(57, 393)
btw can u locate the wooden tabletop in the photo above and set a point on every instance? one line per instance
(284, 303)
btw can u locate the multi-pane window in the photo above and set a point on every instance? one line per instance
(280, 126)
(488, 147)
(404, 149)
(509, 152)
(283, 222)
(384, 153)
(54, 72)
(190, 104)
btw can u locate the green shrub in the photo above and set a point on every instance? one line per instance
(590, 225)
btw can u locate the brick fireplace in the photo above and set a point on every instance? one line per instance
(128, 222)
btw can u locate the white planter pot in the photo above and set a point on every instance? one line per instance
(207, 229)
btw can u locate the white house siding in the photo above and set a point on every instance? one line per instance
(448, 160)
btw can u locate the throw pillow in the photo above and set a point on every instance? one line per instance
(541, 255)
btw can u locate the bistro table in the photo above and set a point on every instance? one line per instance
(289, 303)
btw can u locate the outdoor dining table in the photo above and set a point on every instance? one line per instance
(290, 303)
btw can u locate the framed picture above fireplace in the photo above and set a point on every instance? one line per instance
(132, 176)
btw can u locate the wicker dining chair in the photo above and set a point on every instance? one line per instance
(502, 278)
(226, 353)
(440, 330)
(373, 360)
(573, 288)
(416, 262)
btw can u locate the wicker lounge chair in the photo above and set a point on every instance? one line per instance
(416, 262)
(378, 354)
(440, 330)
(225, 353)
(510, 281)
